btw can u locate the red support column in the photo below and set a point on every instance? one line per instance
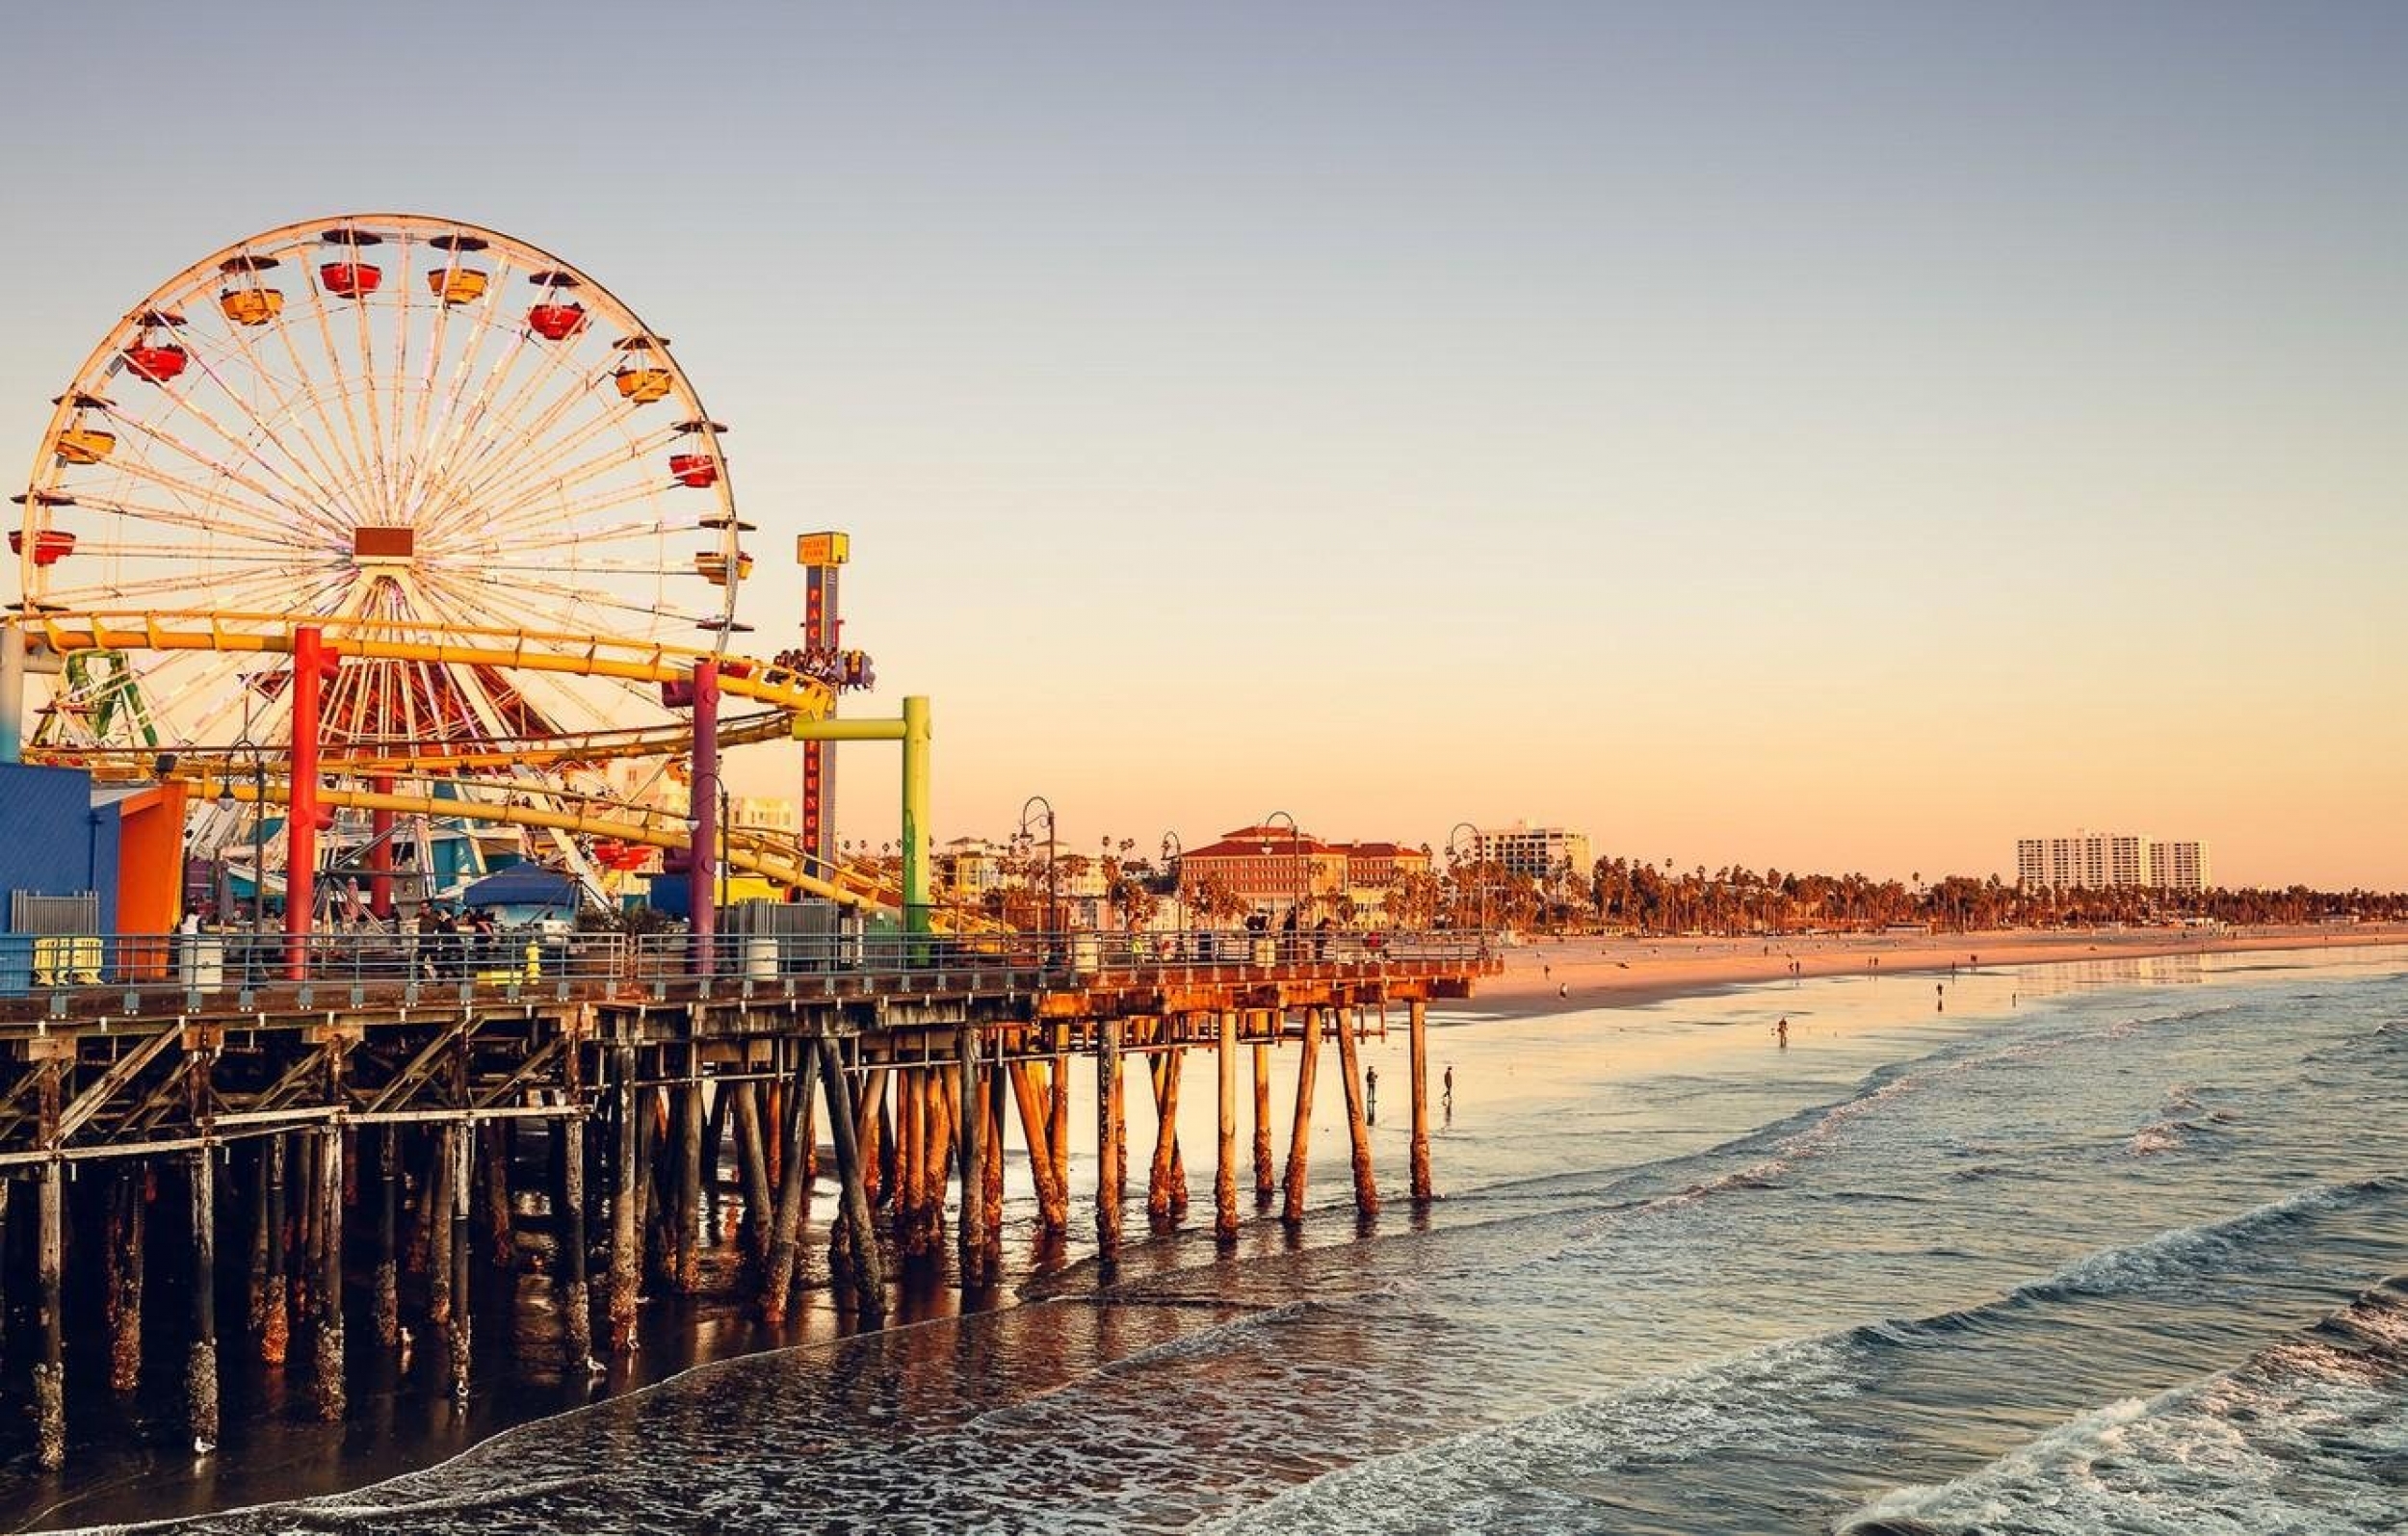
(310, 662)
(381, 853)
(703, 791)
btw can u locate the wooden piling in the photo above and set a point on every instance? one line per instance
(1417, 1014)
(869, 1272)
(269, 1285)
(1164, 1072)
(991, 1173)
(576, 1295)
(794, 1179)
(1108, 1142)
(1263, 1185)
(1052, 1198)
(1058, 1128)
(1358, 1117)
(50, 1371)
(970, 1234)
(754, 1169)
(688, 1272)
(435, 1221)
(327, 1193)
(128, 1205)
(455, 1154)
(1225, 1156)
(384, 1302)
(200, 1356)
(626, 1237)
(494, 1146)
(1301, 1132)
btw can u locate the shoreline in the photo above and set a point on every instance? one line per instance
(1552, 975)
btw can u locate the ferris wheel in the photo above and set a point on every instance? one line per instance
(408, 429)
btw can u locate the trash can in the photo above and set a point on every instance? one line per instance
(201, 961)
(761, 956)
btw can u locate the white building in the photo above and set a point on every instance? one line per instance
(1535, 852)
(758, 814)
(2107, 860)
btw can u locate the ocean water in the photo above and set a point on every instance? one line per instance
(2104, 1248)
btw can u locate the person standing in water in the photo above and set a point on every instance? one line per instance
(1370, 1096)
(1781, 1031)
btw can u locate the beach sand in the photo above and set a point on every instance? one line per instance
(1546, 975)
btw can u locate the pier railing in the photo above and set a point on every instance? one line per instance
(64, 968)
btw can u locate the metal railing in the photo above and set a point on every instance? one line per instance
(516, 961)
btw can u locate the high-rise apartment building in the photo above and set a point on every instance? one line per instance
(1535, 852)
(2105, 860)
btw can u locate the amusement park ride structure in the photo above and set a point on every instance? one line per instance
(492, 490)
(404, 517)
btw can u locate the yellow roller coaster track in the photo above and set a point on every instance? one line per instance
(439, 644)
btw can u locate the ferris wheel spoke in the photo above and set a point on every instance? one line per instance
(546, 524)
(510, 429)
(231, 516)
(531, 476)
(366, 456)
(290, 394)
(272, 506)
(416, 459)
(306, 387)
(320, 490)
(478, 426)
(625, 458)
(586, 597)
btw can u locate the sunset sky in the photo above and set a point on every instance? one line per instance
(1824, 435)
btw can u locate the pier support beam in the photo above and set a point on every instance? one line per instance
(753, 1168)
(869, 1272)
(384, 1302)
(576, 1294)
(1162, 1202)
(626, 1246)
(1225, 1159)
(794, 1181)
(991, 1172)
(128, 1207)
(970, 1236)
(1417, 1014)
(1301, 1132)
(1109, 1144)
(200, 1357)
(327, 1193)
(271, 1290)
(50, 1371)
(1263, 1185)
(687, 1265)
(1358, 1115)
(459, 1180)
(1053, 1199)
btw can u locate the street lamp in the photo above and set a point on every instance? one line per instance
(1454, 859)
(1295, 852)
(1174, 850)
(1053, 906)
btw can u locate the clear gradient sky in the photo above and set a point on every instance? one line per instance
(1824, 435)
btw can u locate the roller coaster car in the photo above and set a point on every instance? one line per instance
(457, 285)
(251, 307)
(350, 279)
(557, 321)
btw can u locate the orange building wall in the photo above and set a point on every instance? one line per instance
(150, 862)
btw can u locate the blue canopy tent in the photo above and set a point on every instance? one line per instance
(526, 893)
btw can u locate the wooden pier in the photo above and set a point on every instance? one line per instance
(349, 1142)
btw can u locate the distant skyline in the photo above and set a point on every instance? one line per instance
(1831, 436)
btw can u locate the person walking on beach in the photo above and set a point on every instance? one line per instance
(1370, 1096)
(1781, 1032)
(1940, 997)
(1446, 1094)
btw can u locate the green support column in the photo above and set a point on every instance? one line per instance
(915, 815)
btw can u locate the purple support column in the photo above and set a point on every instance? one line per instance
(703, 786)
